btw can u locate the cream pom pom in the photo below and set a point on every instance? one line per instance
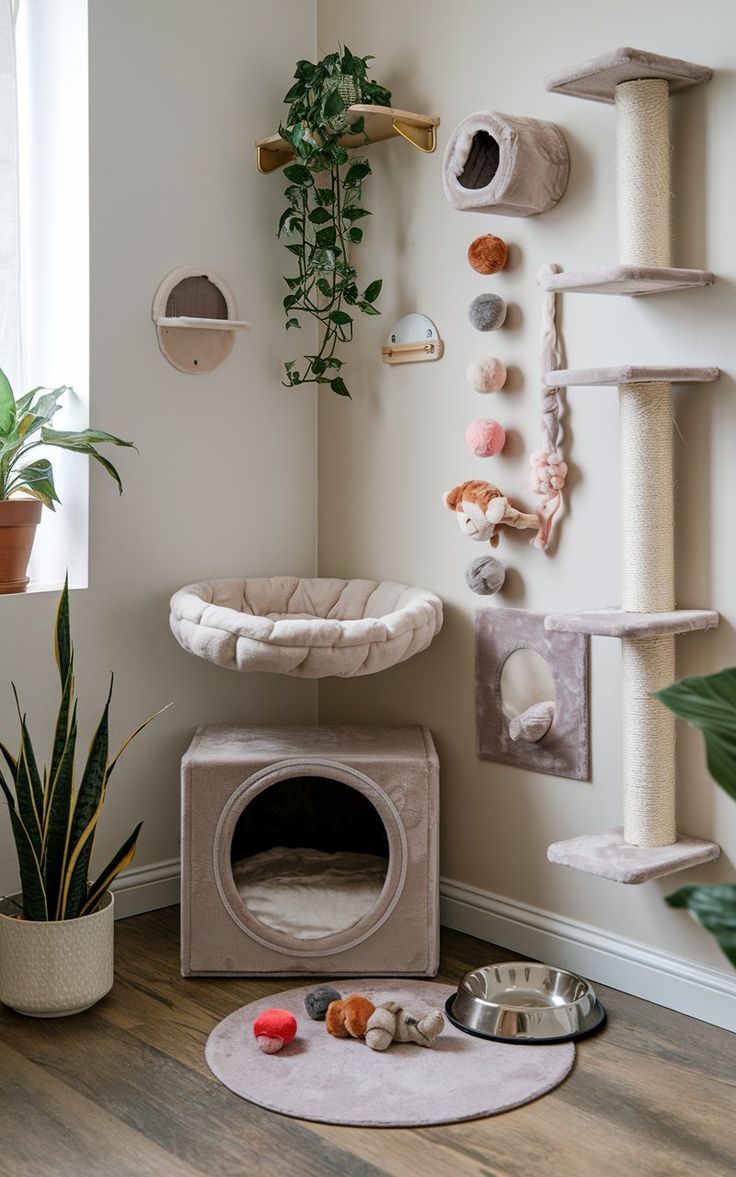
(487, 374)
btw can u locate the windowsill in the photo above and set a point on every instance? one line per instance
(40, 587)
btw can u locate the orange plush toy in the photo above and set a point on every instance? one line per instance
(348, 1018)
(480, 508)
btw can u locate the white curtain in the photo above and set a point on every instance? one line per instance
(10, 357)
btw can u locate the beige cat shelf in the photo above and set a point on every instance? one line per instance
(196, 319)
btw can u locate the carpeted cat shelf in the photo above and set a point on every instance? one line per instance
(499, 163)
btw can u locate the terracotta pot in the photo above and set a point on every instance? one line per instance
(51, 970)
(19, 519)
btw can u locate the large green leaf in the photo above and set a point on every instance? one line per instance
(89, 797)
(71, 438)
(58, 821)
(709, 703)
(117, 863)
(37, 479)
(31, 880)
(714, 908)
(7, 406)
(63, 649)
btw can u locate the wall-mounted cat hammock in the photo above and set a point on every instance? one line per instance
(648, 845)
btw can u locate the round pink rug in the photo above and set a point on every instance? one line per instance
(343, 1081)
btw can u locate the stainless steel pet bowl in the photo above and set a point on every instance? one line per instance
(520, 1001)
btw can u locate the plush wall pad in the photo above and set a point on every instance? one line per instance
(309, 628)
(309, 893)
(342, 1081)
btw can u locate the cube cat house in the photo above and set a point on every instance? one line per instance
(310, 850)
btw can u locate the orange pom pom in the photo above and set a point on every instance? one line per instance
(488, 254)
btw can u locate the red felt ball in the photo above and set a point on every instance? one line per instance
(273, 1029)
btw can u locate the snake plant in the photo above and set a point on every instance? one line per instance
(709, 703)
(24, 426)
(54, 820)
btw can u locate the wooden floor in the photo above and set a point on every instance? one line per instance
(123, 1091)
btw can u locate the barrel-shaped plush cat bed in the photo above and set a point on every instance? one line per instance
(309, 628)
(499, 163)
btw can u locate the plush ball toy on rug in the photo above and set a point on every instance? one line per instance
(317, 1001)
(487, 312)
(273, 1029)
(348, 1017)
(485, 438)
(487, 375)
(390, 1023)
(488, 254)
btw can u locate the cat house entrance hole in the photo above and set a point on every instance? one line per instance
(526, 680)
(482, 162)
(309, 856)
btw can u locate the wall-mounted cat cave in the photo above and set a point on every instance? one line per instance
(499, 163)
(381, 122)
(196, 319)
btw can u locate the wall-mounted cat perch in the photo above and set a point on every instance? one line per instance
(381, 122)
(196, 319)
(648, 845)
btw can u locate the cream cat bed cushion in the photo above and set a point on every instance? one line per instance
(309, 893)
(309, 628)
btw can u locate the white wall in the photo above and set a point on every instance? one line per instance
(387, 456)
(225, 481)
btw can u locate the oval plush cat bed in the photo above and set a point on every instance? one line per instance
(310, 628)
(499, 163)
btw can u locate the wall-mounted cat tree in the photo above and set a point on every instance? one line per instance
(648, 845)
(381, 122)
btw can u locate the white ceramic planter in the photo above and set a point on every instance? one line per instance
(50, 970)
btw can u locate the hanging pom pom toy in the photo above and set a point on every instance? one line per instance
(487, 312)
(488, 254)
(273, 1029)
(487, 374)
(485, 438)
(549, 471)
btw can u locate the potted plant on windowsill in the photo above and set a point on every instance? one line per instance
(56, 935)
(27, 483)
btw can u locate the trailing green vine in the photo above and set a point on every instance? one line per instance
(323, 194)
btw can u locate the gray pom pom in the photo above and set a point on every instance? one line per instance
(485, 575)
(487, 312)
(318, 999)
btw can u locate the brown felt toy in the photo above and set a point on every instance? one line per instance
(348, 1018)
(488, 254)
(480, 508)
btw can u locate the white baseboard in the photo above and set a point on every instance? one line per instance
(613, 960)
(146, 888)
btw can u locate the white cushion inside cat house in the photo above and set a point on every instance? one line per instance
(306, 627)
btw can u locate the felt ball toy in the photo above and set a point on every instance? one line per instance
(485, 438)
(488, 254)
(273, 1029)
(485, 575)
(487, 374)
(487, 312)
(317, 1001)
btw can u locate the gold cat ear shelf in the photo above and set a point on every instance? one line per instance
(381, 122)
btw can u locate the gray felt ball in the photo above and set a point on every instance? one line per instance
(318, 999)
(487, 312)
(485, 575)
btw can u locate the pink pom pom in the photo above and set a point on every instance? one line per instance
(273, 1029)
(485, 438)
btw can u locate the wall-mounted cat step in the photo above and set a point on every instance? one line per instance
(627, 280)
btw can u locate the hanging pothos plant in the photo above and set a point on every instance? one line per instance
(321, 220)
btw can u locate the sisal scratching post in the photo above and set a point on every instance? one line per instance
(643, 172)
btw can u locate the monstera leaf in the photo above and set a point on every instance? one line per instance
(709, 704)
(715, 909)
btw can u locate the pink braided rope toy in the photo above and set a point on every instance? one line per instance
(549, 471)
